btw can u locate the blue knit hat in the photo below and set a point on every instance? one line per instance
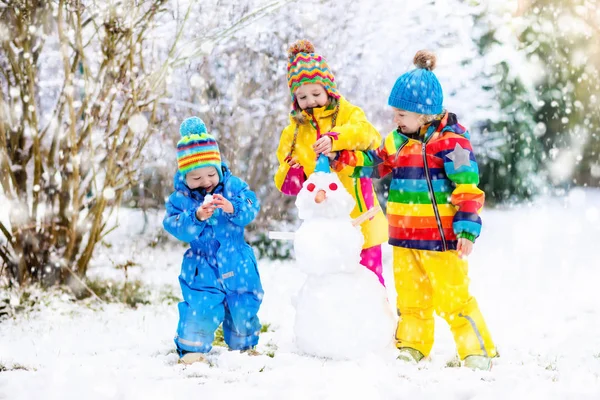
(419, 90)
(197, 149)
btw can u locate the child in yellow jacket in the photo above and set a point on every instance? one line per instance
(433, 215)
(322, 121)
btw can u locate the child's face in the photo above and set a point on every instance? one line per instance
(311, 95)
(205, 178)
(407, 121)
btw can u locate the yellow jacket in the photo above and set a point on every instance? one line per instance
(352, 131)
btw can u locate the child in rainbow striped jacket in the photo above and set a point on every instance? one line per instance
(433, 216)
(322, 120)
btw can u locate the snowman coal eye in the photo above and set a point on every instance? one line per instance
(310, 187)
(333, 186)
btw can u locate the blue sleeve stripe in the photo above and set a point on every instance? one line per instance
(473, 228)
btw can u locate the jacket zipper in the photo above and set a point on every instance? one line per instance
(398, 152)
(318, 128)
(432, 197)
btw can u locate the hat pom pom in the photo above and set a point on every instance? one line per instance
(300, 46)
(192, 126)
(425, 60)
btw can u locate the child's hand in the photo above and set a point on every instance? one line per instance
(332, 155)
(222, 203)
(293, 162)
(464, 247)
(205, 211)
(323, 145)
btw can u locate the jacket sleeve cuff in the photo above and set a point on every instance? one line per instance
(236, 209)
(293, 181)
(195, 218)
(333, 135)
(467, 235)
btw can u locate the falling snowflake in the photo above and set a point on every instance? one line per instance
(138, 123)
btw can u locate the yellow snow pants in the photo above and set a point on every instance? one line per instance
(428, 281)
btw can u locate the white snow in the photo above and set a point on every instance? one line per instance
(207, 199)
(534, 272)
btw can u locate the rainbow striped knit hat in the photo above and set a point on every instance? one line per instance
(197, 149)
(305, 66)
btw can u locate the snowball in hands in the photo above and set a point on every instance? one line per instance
(207, 199)
(341, 311)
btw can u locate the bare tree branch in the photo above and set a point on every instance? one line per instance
(6, 232)
(236, 26)
(7, 174)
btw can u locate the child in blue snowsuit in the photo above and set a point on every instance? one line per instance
(219, 278)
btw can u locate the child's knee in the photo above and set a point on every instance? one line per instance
(451, 307)
(242, 321)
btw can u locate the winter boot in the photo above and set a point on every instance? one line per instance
(410, 355)
(481, 363)
(190, 358)
(251, 351)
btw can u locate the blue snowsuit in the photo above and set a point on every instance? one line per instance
(219, 276)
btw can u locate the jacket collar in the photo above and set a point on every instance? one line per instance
(180, 185)
(431, 128)
(318, 112)
(427, 131)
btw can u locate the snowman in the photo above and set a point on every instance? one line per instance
(342, 310)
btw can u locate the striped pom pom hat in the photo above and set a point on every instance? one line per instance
(196, 148)
(306, 66)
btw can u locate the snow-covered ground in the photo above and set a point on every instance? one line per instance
(535, 272)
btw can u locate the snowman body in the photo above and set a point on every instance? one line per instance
(341, 310)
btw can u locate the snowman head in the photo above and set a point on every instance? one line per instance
(323, 196)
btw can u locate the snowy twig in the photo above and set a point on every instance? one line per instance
(4, 254)
(74, 150)
(157, 78)
(4, 260)
(368, 214)
(6, 232)
(7, 172)
(107, 231)
(83, 283)
(187, 104)
(229, 31)
(278, 235)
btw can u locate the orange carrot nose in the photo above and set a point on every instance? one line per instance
(320, 197)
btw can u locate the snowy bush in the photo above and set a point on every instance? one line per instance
(83, 86)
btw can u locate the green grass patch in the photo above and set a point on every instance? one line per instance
(14, 367)
(551, 367)
(453, 363)
(28, 298)
(167, 296)
(220, 341)
(131, 293)
(271, 349)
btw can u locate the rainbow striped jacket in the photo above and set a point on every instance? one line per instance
(433, 198)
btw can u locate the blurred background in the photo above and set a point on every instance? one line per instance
(92, 94)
